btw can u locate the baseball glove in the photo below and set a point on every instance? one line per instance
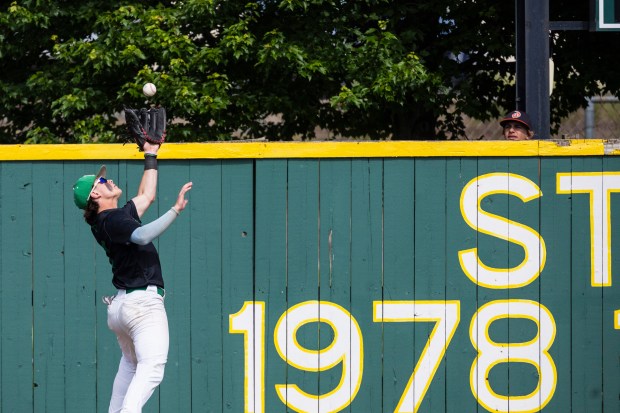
(146, 125)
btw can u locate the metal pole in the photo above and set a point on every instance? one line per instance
(537, 65)
(520, 55)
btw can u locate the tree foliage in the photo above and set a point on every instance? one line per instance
(276, 68)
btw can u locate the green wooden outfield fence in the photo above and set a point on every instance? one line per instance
(324, 277)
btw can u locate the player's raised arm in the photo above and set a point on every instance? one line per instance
(148, 185)
(147, 128)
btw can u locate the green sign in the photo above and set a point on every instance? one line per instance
(607, 15)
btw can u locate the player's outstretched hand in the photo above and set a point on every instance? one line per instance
(181, 201)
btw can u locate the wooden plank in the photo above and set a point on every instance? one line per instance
(174, 250)
(611, 300)
(555, 282)
(586, 309)
(303, 261)
(270, 265)
(79, 311)
(48, 286)
(208, 324)
(523, 377)
(2, 259)
(366, 274)
(399, 356)
(335, 271)
(430, 276)
(495, 253)
(17, 226)
(459, 237)
(237, 270)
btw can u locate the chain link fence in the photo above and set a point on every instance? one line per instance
(599, 120)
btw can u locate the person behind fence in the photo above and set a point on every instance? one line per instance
(136, 313)
(517, 126)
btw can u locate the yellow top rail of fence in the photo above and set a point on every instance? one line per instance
(363, 149)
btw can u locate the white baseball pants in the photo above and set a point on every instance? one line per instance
(141, 326)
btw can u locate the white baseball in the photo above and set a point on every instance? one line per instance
(149, 89)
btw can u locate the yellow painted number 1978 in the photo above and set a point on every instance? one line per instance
(347, 348)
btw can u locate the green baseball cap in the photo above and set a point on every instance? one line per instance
(84, 186)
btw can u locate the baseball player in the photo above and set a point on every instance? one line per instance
(136, 313)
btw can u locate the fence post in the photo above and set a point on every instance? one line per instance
(589, 120)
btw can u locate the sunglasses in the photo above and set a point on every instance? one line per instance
(101, 180)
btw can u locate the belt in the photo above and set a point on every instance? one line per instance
(160, 290)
